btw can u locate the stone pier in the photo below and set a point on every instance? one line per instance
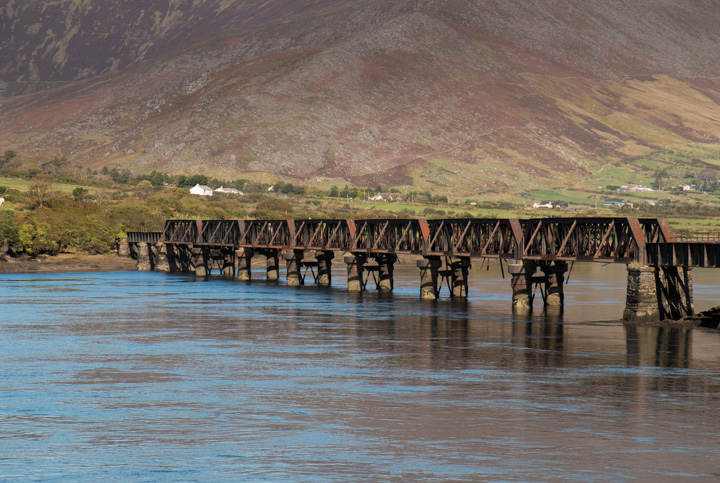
(293, 259)
(144, 257)
(200, 259)
(244, 263)
(386, 267)
(658, 293)
(554, 282)
(162, 264)
(429, 267)
(459, 268)
(180, 258)
(356, 272)
(124, 248)
(272, 264)
(522, 286)
(324, 267)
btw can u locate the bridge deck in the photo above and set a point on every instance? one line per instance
(613, 240)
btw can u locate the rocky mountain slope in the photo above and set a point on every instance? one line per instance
(448, 94)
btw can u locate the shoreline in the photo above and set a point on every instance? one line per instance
(66, 263)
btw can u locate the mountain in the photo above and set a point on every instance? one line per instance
(454, 95)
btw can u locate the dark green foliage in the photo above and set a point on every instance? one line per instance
(79, 193)
(6, 157)
(190, 181)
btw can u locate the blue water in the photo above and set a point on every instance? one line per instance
(134, 376)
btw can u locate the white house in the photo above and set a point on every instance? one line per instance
(201, 190)
(542, 204)
(229, 191)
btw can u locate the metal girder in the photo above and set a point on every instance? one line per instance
(618, 240)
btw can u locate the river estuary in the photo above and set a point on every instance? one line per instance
(141, 376)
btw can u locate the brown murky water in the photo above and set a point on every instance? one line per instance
(135, 376)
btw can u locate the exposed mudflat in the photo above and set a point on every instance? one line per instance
(66, 263)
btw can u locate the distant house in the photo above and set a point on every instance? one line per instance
(542, 204)
(229, 191)
(613, 203)
(686, 187)
(634, 189)
(201, 190)
(388, 197)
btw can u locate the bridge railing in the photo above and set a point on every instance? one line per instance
(219, 233)
(619, 240)
(265, 234)
(180, 232)
(143, 236)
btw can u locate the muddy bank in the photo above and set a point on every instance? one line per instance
(67, 263)
(709, 319)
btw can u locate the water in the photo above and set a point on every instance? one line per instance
(134, 376)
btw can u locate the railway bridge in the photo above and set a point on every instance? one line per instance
(536, 252)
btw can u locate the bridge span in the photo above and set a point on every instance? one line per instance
(536, 252)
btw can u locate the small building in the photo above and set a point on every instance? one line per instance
(686, 187)
(201, 190)
(229, 191)
(542, 204)
(613, 203)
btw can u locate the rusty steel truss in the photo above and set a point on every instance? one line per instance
(612, 240)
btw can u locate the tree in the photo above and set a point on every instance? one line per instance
(705, 177)
(334, 191)
(54, 165)
(79, 194)
(39, 193)
(6, 157)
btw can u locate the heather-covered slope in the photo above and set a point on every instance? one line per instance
(446, 94)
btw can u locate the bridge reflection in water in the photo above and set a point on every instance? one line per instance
(536, 252)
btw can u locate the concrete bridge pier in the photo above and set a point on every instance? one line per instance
(200, 259)
(429, 267)
(144, 257)
(459, 268)
(293, 275)
(356, 268)
(162, 264)
(554, 279)
(324, 266)
(124, 248)
(180, 258)
(658, 293)
(272, 264)
(244, 263)
(386, 267)
(522, 286)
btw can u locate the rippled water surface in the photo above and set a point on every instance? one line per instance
(135, 376)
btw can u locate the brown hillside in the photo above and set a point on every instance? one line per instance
(447, 94)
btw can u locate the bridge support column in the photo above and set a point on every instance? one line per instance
(641, 302)
(144, 260)
(180, 258)
(658, 293)
(124, 248)
(356, 268)
(386, 267)
(244, 262)
(294, 276)
(429, 267)
(674, 287)
(324, 268)
(200, 257)
(459, 277)
(555, 277)
(162, 263)
(273, 270)
(522, 287)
